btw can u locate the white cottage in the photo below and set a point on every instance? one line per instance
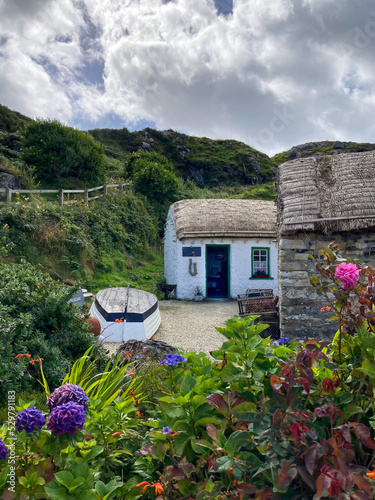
(220, 247)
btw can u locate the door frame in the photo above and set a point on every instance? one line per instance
(228, 277)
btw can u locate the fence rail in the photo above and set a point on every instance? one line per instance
(8, 193)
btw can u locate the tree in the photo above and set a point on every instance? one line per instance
(58, 152)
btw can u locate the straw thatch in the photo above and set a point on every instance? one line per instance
(327, 194)
(224, 218)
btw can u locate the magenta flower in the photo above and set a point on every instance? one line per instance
(348, 274)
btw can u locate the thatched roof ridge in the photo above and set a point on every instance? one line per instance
(328, 193)
(224, 218)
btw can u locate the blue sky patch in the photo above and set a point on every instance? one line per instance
(224, 7)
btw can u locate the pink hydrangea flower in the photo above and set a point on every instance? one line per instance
(348, 274)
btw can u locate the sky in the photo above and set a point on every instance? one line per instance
(270, 73)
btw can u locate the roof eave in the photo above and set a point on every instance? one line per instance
(226, 234)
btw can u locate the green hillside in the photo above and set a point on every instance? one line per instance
(205, 161)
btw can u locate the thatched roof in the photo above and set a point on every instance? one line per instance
(327, 193)
(224, 218)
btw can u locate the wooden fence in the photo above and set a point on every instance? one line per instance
(86, 193)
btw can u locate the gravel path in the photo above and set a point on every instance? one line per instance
(190, 325)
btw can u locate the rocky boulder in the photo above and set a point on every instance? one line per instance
(9, 181)
(141, 351)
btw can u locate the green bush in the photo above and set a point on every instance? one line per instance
(37, 319)
(59, 152)
(153, 177)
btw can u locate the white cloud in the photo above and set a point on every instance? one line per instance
(274, 73)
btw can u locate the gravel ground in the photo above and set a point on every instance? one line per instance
(189, 325)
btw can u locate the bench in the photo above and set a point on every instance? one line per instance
(257, 301)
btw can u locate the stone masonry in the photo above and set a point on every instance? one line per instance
(300, 315)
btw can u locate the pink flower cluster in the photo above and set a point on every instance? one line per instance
(348, 274)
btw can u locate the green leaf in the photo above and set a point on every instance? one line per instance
(368, 367)
(185, 486)
(23, 481)
(280, 351)
(55, 492)
(206, 420)
(65, 478)
(229, 372)
(81, 470)
(100, 488)
(180, 442)
(236, 441)
(245, 411)
(315, 281)
(187, 384)
(350, 410)
(76, 483)
(224, 463)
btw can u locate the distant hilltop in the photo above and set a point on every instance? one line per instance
(208, 162)
(322, 148)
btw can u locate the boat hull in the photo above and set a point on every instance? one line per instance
(139, 319)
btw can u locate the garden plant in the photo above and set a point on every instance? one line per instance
(259, 420)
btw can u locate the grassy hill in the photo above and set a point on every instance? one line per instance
(205, 161)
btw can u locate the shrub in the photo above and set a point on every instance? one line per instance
(37, 321)
(154, 178)
(59, 152)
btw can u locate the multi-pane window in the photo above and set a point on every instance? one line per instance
(260, 263)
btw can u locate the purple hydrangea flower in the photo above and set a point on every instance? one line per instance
(172, 359)
(67, 418)
(284, 340)
(29, 420)
(166, 430)
(66, 393)
(3, 450)
(275, 343)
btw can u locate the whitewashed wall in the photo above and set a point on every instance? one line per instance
(170, 250)
(177, 267)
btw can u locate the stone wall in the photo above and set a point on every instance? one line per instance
(300, 315)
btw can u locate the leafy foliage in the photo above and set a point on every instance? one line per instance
(58, 151)
(37, 319)
(262, 421)
(206, 161)
(84, 242)
(154, 178)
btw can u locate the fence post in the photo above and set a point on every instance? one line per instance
(8, 198)
(105, 190)
(61, 197)
(86, 195)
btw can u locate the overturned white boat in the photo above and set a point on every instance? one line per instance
(125, 314)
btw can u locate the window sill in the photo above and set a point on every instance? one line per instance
(260, 278)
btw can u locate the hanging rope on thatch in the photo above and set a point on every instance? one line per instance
(192, 268)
